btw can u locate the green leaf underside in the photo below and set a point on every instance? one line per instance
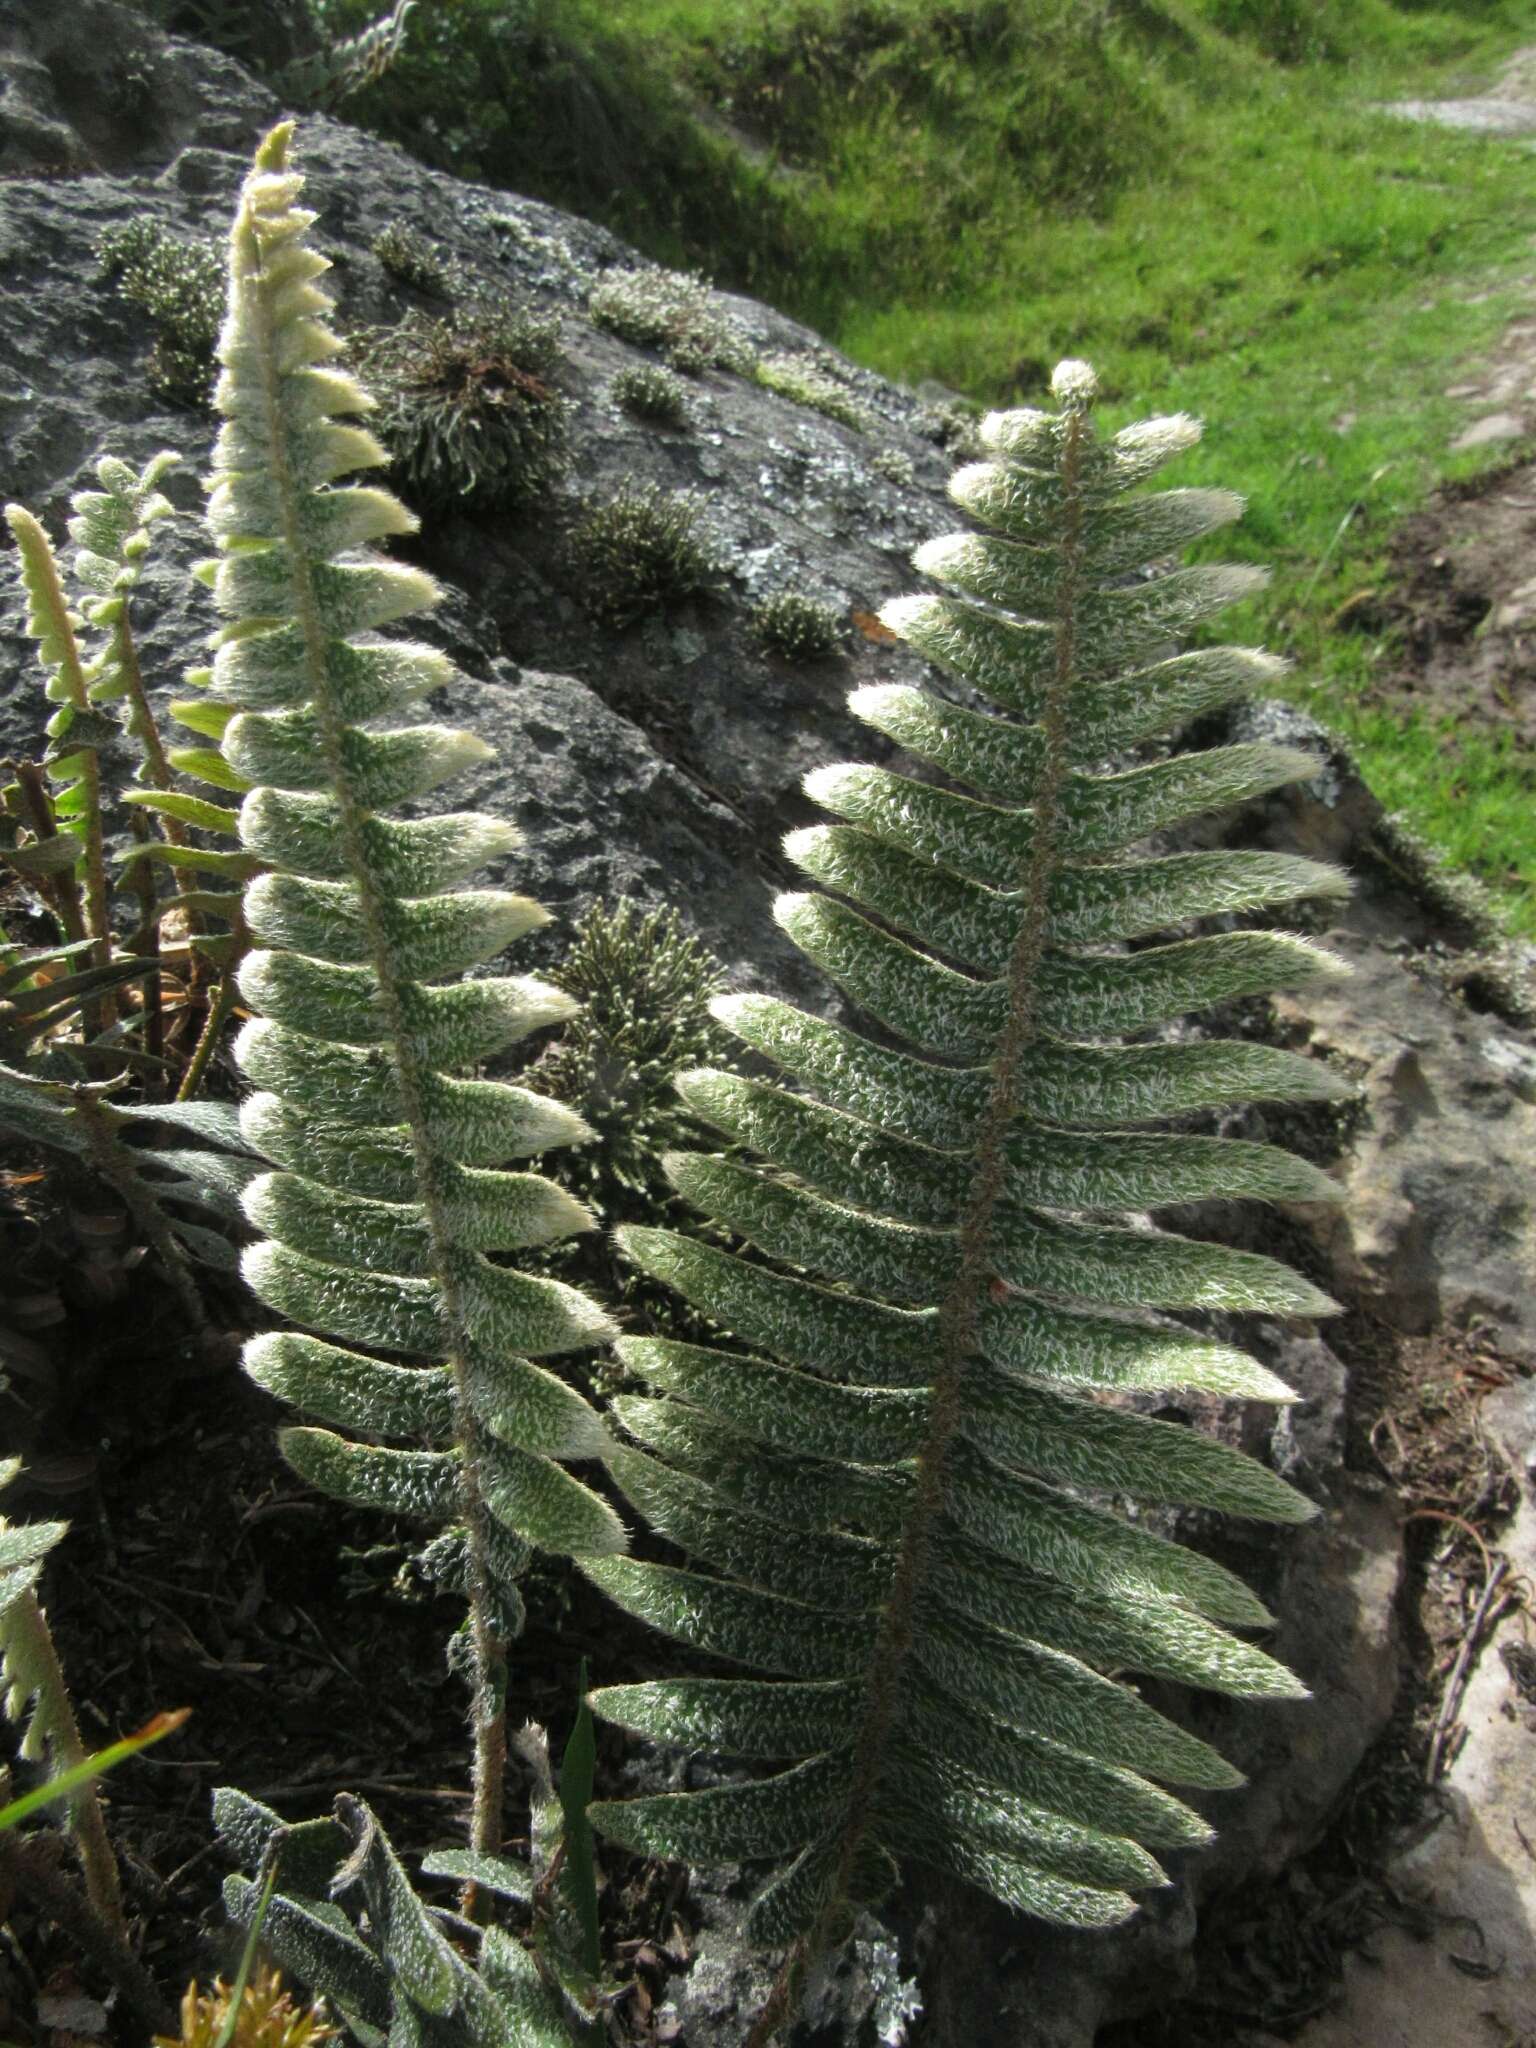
(866, 1342)
(495, 1873)
(916, 1264)
(541, 1502)
(421, 1960)
(307, 1944)
(311, 1849)
(501, 1310)
(806, 1479)
(949, 1013)
(528, 2012)
(1061, 1084)
(733, 1716)
(791, 1904)
(976, 926)
(1100, 814)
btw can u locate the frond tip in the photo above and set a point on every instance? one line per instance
(904, 1503)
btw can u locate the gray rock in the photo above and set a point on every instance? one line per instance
(96, 86)
(791, 499)
(1493, 427)
(1468, 1968)
(665, 762)
(728, 1983)
(1474, 117)
(1440, 1227)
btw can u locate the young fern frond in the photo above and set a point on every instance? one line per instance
(75, 733)
(35, 1697)
(111, 532)
(346, 1921)
(111, 529)
(391, 1191)
(332, 74)
(900, 1503)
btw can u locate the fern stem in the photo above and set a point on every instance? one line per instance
(143, 727)
(960, 1310)
(219, 1011)
(43, 576)
(146, 940)
(117, 1169)
(488, 1653)
(29, 1865)
(32, 1650)
(64, 888)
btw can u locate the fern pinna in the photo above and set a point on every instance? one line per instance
(391, 1192)
(901, 1497)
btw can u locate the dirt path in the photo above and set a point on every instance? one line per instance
(1464, 583)
(1508, 107)
(1463, 595)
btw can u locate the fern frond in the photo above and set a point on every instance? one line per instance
(906, 1505)
(111, 533)
(75, 733)
(81, 1118)
(392, 1195)
(344, 67)
(35, 1697)
(112, 530)
(346, 1920)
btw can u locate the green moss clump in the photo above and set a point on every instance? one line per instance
(411, 259)
(639, 552)
(796, 628)
(679, 314)
(644, 987)
(468, 407)
(179, 282)
(895, 467)
(807, 383)
(952, 425)
(653, 394)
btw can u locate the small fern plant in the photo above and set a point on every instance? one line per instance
(68, 831)
(343, 1917)
(900, 1501)
(391, 1191)
(65, 825)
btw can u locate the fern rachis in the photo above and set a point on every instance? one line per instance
(895, 1497)
(390, 1191)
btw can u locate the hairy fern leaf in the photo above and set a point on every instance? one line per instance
(76, 731)
(906, 1504)
(111, 532)
(345, 1919)
(392, 1196)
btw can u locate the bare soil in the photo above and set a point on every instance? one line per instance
(1462, 604)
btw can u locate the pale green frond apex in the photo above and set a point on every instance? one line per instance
(272, 150)
(1074, 383)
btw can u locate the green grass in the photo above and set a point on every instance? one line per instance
(1196, 194)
